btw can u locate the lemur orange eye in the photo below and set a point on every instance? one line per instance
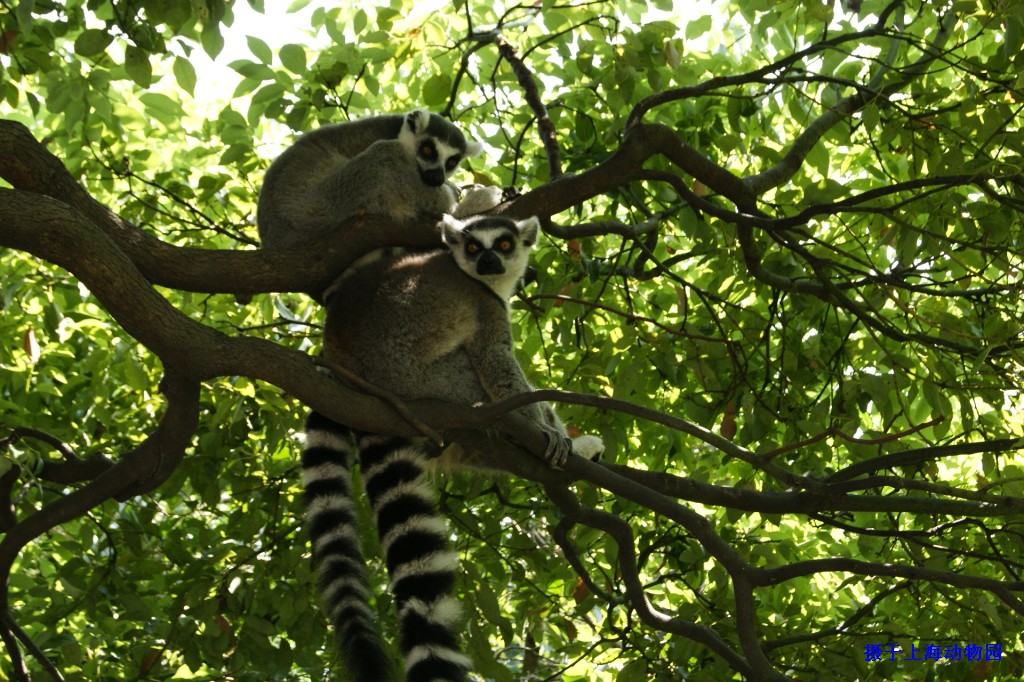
(451, 163)
(427, 151)
(505, 245)
(472, 248)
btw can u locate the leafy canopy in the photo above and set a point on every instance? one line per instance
(793, 229)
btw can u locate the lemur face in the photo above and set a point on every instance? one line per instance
(492, 249)
(436, 144)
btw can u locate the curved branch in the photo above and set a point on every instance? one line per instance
(560, 533)
(919, 456)
(19, 432)
(139, 471)
(861, 613)
(390, 398)
(800, 569)
(11, 626)
(72, 469)
(622, 535)
(8, 517)
(627, 165)
(581, 230)
(781, 172)
(752, 259)
(28, 166)
(54, 232)
(64, 237)
(491, 410)
(57, 233)
(7, 634)
(817, 499)
(758, 75)
(532, 94)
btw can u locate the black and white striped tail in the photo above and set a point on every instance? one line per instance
(333, 528)
(421, 566)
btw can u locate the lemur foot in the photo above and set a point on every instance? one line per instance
(558, 450)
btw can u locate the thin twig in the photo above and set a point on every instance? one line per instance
(532, 93)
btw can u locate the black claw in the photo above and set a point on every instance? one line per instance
(558, 450)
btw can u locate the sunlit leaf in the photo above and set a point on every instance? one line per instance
(92, 42)
(136, 63)
(185, 74)
(293, 57)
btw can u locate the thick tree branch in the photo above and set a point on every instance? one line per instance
(626, 165)
(54, 232)
(30, 167)
(120, 264)
(58, 234)
(716, 441)
(137, 472)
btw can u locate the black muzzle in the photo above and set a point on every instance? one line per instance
(489, 264)
(432, 176)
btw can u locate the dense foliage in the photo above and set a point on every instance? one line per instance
(784, 270)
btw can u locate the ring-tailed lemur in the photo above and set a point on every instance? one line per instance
(420, 327)
(391, 164)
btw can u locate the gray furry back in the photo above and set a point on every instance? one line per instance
(391, 164)
(310, 160)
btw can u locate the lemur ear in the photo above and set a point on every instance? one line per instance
(528, 230)
(474, 148)
(417, 120)
(451, 230)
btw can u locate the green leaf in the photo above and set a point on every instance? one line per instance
(293, 57)
(212, 40)
(260, 50)
(698, 27)
(135, 376)
(92, 42)
(359, 21)
(252, 70)
(136, 63)
(185, 74)
(436, 90)
(817, 158)
(175, 13)
(636, 671)
(162, 107)
(24, 15)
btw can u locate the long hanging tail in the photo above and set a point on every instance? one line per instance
(333, 529)
(421, 566)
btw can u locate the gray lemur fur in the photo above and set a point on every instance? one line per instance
(419, 327)
(391, 164)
